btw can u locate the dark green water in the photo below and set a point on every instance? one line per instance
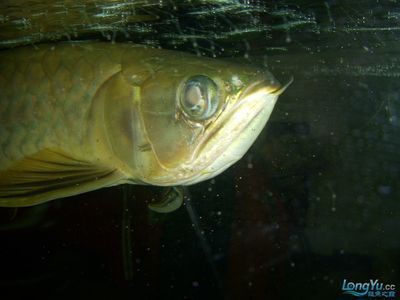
(314, 201)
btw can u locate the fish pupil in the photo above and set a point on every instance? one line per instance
(195, 99)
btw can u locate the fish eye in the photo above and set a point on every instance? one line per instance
(199, 97)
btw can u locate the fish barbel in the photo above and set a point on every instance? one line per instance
(75, 117)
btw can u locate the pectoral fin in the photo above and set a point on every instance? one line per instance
(49, 175)
(170, 201)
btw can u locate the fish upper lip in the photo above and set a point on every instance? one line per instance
(257, 85)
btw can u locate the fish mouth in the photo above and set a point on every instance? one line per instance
(233, 132)
(240, 114)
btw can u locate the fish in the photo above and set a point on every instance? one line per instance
(76, 117)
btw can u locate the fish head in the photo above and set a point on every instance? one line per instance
(200, 116)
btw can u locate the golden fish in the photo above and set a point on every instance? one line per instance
(75, 117)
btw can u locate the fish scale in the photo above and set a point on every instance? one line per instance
(42, 88)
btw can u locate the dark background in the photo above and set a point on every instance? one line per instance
(313, 202)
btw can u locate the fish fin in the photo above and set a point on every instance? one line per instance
(171, 200)
(49, 175)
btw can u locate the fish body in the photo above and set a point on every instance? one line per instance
(77, 117)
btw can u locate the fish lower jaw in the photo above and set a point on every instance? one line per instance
(224, 148)
(232, 143)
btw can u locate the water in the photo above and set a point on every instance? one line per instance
(313, 202)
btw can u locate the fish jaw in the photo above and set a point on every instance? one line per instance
(244, 123)
(231, 137)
